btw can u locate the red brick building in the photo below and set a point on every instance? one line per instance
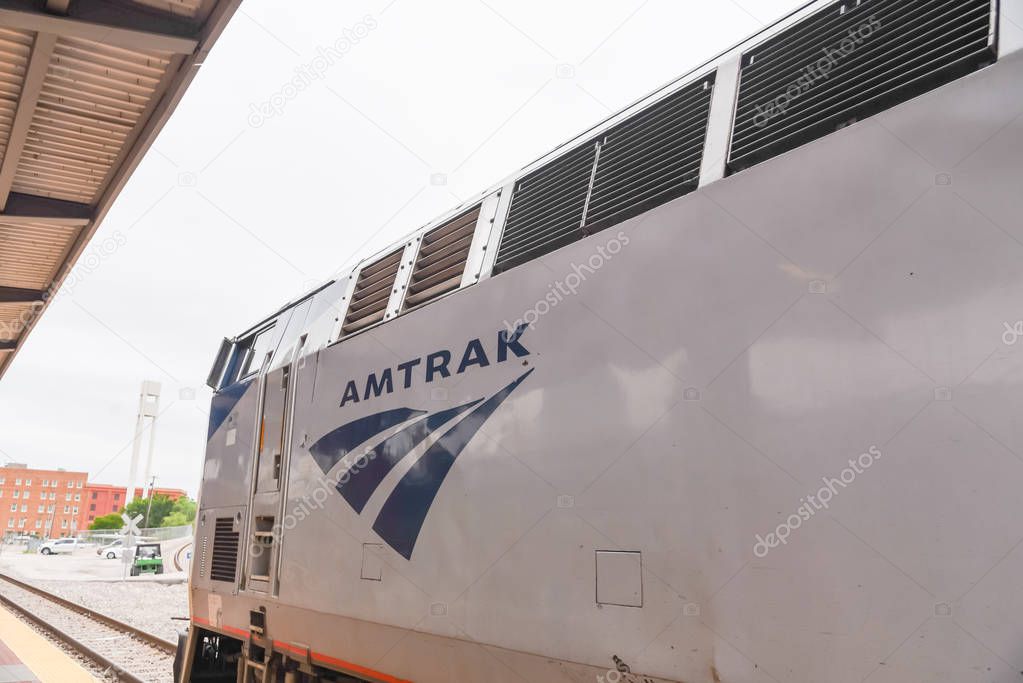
(104, 499)
(46, 503)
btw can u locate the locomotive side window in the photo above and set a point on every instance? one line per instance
(256, 352)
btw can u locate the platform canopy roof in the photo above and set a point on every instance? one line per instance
(85, 87)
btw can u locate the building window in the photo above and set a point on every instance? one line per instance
(39, 523)
(2, 481)
(53, 495)
(17, 493)
(94, 495)
(21, 523)
(49, 509)
(25, 495)
(28, 482)
(63, 524)
(24, 507)
(41, 509)
(17, 482)
(67, 509)
(53, 484)
(67, 496)
(14, 507)
(10, 524)
(78, 484)
(70, 484)
(46, 482)
(117, 496)
(78, 497)
(74, 510)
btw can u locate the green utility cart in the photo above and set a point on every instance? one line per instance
(148, 559)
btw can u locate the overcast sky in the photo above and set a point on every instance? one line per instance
(239, 208)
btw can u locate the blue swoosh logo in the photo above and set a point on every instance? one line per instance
(223, 403)
(359, 481)
(333, 446)
(402, 516)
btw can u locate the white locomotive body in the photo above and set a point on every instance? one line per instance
(755, 422)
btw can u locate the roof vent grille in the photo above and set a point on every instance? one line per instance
(441, 260)
(547, 208)
(853, 59)
(372, 291)
(650, 158)
(646, 160)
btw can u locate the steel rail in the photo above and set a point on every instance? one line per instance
(155, 641)
(62, 636)
(74, 643)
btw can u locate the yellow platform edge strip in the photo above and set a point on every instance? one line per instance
(49, 663)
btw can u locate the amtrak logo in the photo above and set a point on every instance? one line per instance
(403, 513)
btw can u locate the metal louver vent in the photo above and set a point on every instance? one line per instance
(372, 290)
(441, 259)
(224, 566)
(547, 208)
(651, 158)
(646, 160)
(851, 60)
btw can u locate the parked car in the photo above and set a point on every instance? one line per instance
(112, 551)
(62, 546)
(116, 544)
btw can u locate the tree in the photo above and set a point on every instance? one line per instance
(182, 513)
(161, 508)
(111, 521)
(175, 519)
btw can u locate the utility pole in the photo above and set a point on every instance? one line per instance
(149, 406)
(149, 507)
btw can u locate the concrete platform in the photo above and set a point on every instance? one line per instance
(27, 657)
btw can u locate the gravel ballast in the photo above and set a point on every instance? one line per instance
(149, 606)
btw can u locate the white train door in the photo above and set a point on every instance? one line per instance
(270, 461)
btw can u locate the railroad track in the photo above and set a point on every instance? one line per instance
(131, 654)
